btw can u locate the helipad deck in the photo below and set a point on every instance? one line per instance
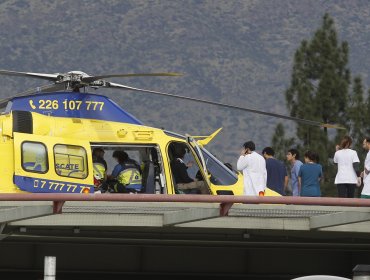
(249, 241)
(289, 220)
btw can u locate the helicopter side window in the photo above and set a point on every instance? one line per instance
(70, 161)
(34, 157)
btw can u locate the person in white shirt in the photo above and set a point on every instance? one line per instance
(254, 170)
(365, 174)
(348, 168)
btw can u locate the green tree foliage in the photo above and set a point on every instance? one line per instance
(280, 144)
(319, 91)
(368, 114)
(358, 116)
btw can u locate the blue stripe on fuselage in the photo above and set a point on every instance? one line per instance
(36, 185)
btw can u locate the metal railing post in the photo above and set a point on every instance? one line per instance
(49, 268)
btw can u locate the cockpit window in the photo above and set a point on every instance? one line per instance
(220, 173)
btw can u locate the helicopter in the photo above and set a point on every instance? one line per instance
(49, 133)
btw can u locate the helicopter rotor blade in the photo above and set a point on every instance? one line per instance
(43, 76)
(310, 122)
(46, 88)
(88, 80)
(94, 78)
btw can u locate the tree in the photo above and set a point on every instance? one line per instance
(367, 132)
(319, 91)
(280, 144)
(358, 116)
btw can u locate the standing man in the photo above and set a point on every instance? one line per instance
(365, 174)
(293, 157)
(277, 177)
(253, 166)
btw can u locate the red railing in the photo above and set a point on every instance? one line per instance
(226, 201)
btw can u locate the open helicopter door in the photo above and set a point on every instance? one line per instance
(196, 149)
(52, 164)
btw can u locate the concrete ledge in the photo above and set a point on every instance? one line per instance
(336, 219)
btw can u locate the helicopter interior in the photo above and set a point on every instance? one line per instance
(149, 159)
(221, 174)
(193, 169)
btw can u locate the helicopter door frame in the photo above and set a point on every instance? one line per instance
(198, 153)
(37, 169)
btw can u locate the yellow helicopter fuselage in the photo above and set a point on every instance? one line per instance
(45, 152)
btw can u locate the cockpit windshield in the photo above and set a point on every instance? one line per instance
(220, 173)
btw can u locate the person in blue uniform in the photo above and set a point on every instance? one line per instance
(126, 175)
(309, 175)
(293, 157)
(277, 176)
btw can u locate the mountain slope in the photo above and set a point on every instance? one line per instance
(237, 52)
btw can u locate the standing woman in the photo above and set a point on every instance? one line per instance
(309, 175)
(348, 168)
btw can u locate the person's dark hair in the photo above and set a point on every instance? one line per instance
(121, 156)
(96, 150)
(367, 139)
(269, 151)
(346, 142)
(294, 152)
(249, 145)
(180, 151)
(312, 156)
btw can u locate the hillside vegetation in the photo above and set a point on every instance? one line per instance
(236, 52)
